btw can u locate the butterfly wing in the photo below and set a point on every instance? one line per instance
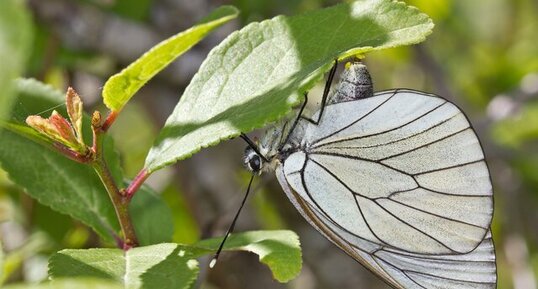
(399, 182)
(402, 169)
(398, 268)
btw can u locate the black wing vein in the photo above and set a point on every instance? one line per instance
(429, 213)
(392, 129)
(425, 145)
(383, 208)
(356, 121)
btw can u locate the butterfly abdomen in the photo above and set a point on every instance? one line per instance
(355, 83)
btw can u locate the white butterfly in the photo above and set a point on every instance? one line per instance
(396, 179)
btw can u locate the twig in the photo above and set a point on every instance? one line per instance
(83, 159)
(109, 120)
(120, 201)
(136, 183)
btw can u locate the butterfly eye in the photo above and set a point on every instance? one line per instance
(252, 160)
(255, 163)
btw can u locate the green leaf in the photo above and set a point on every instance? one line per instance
(152, 218)
(256, 75)
(55, 225)
(73, 283)
(38, 91)
(122, 86)
(52, 179)
(174, 265)
(158, 266)
(33, 97)
(69, 187)
(280, 250)
(55, 181)
(15, 39)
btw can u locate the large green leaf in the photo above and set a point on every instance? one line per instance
(144, 267)
(122, 86)
(257, 74)
(280, 250)
(158, 266)
(15, 39)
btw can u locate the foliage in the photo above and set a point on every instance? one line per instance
(477, 55)
(122, 86)
(69, 187)
(144, 267)
(277, 249)
(256, 75)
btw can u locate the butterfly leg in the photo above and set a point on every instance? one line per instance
(325, 96)
(326, 91)
(295, 122)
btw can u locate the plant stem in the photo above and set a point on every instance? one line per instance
(109, 120)
(120, 201)
(136, 183)
(83, 159)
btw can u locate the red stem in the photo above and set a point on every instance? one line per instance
(136, 183)
(109, 120)
(84, 159)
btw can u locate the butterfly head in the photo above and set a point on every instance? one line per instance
(252, 160)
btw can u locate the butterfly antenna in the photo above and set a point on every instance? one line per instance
(231, 228)
(252, 145)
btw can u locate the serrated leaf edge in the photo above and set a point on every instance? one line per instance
(318, 73)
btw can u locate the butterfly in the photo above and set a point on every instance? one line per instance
(396, 179)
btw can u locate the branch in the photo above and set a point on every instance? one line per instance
(136, 184)
(120, 201)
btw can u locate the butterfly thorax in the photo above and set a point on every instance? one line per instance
(275, 146)
(281, 140)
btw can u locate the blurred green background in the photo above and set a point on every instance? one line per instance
(483, 55)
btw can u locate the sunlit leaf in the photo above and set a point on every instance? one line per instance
(280, 250)
(122, 86)
(257, 74)
(144, 267)
(158, 266)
